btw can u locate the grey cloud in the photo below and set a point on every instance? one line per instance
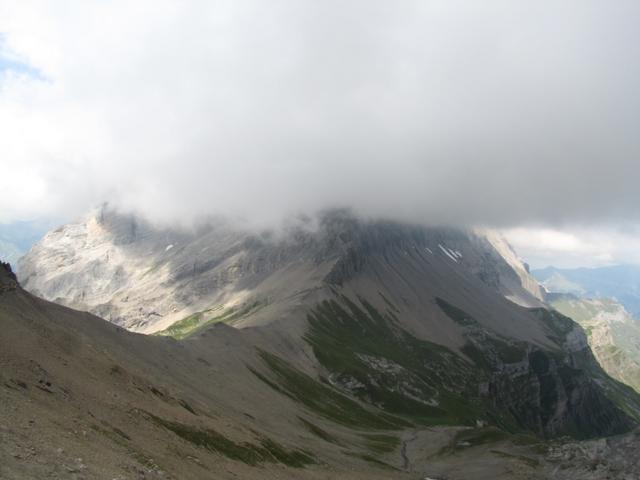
(461, 112)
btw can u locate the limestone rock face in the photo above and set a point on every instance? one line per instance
(145, 277)
(516, 277)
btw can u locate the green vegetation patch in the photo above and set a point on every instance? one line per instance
(457, 315)
(480, 436)
(120, 438)
(323, 399)
(319, 432)
(267, 451)
(373, 358)
(372, 460)
(381, 443)
(193, 323)
(474, 437)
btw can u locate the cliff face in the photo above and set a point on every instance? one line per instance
(563, 391)
(517, 277)
(145, 278)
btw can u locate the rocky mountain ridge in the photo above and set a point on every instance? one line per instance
(353, 331)
(145, 278)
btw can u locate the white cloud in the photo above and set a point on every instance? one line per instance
(577, 246)
(451, 111)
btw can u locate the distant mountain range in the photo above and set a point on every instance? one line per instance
(606, 303)
(620, 282)
(614, 335)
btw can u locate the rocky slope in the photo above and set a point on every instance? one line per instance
(82, 398)
(515, 275)
(362, 342)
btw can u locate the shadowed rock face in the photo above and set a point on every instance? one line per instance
(549, 397)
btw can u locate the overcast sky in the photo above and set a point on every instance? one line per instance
(521, 115)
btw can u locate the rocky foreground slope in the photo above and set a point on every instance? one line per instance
(369, 350)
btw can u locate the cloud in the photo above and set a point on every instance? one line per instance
(576, 246)
(461, 112)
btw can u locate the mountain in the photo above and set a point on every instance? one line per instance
(341, 348)
(620, 282)
(606, 303)
(147, 278)
(522, 279)
(614, 336)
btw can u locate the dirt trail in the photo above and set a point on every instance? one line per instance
(406, 463)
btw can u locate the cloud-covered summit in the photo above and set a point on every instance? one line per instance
(460, 112)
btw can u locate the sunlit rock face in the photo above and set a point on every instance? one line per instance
(145, 277)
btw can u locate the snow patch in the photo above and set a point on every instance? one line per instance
(448, 253)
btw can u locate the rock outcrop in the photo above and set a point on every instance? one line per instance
(8, 280)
